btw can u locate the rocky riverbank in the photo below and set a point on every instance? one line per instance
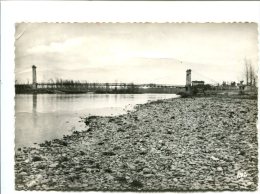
(174, 144)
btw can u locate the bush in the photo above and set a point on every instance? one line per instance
(184, 94)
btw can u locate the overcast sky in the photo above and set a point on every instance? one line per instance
(139, 53)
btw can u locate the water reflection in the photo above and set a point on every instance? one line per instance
(34, 103)
(41, 117)
(34, 110)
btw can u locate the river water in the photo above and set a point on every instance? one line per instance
(40, 117)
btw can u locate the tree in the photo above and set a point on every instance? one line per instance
(250, 73)
(246, 71)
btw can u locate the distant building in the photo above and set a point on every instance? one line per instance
(198, 83)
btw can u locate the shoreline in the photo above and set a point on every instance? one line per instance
(180, 144)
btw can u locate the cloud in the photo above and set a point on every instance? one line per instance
(56, 47)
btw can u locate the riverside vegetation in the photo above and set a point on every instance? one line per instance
(175, 144)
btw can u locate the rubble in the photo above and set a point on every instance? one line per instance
(173, 145)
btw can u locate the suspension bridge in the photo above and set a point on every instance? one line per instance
(68, 86)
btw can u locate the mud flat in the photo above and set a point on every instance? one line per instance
(175, 144)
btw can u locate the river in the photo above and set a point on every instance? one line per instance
(41, 117)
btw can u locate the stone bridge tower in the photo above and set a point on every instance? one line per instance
(188, 77)
(34, 78)
(188, 80)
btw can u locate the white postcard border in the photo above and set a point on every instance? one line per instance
(69, 11)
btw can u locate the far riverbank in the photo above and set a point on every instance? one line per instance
(175, 145)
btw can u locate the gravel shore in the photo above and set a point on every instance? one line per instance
(176, 145)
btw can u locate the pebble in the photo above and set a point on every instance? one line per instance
(27, 161)
(23, 173)
(146, 170)
(54, 165)
(214, 158)
(38, 177)
(31, 183)
(132, 167)
(148, 175)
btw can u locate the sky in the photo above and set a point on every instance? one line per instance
(134, 52)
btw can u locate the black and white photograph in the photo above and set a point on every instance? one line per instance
(136, 106)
